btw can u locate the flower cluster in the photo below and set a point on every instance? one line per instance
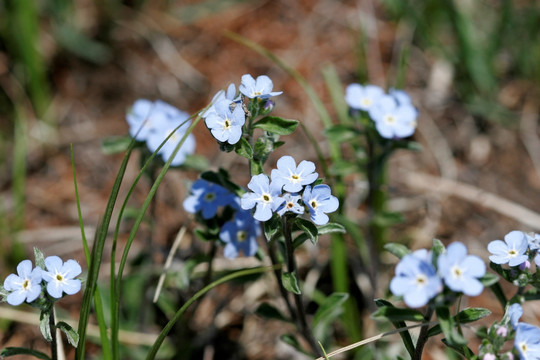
(517, 249)
(226, 115)
(420, 276)
(153, 122)
(393, 113)
(267, 197)
(239, 233)
(56, 277)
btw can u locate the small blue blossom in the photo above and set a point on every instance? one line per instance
(461, 271)
(527, 341)
(362, 97)
(292, 177)
(230, 95)
(290, 204)
(533, 240)
(260, 88)
(393, 120)
(25, 286)
(401, 96)
(514, 313)
(265, 197)
(511, 251)
(60, 276)
(240, 234)
(320, 201)
(162, 127)
(144, 113)
(416, 280)
(226, 124)
(207, 197)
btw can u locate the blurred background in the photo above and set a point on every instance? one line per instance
(69, 71)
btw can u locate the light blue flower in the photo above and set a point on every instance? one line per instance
(533, 241)
(527, 341)
(162, 127)
(60, 276)
(230, 95)
(393, 120)
(240, 234)
(265, 197)
(143, 114)
(319, 201)
(292, 177)
(260, 88)
(461, 271)
(226, 124)
(416, 280)
(25, 286)
(207, 197)
(401, 96)
(511, 251)
(514, 313)
(362, 97)
(290, 204)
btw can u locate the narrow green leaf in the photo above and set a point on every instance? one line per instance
(243, 148)
(115, 145)
(437, 249)
(398, 250)
(394, 314)
(405, 335)
(205, 235)
(277, 125)
(335, 89)
(308, 227)
(465, 316)
(291, 340)
(331, 228)
(290, 283)
(71, 334)
(489, 279)
(342, 133)
(44, 325)
(12, 351)
(40, 259)
(327, 313)
(270, 312)
(271, 227)
(448, 326)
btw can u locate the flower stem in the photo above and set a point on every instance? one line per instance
(291, 267)
(422, 337)
(52, 326)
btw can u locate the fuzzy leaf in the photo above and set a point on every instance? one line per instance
(277, 125)
(394, 314)
(71, 333)
(12, 351)
(328, 312)
(40, 259)
(398, 250)
(290, 283)
(307, 227)
(270, 312)
(243, 148)
(44, 325)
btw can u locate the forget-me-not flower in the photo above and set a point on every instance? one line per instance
(162, 127)
(143, 114)
(229, 94)
(60, 276)
(320, 201)
(416, 280)
(292, 177)
(511, 251)
(240, 234)
(291, 203)
(260, 88)
(514, 313)
(362, 97)
(207, 197)
(461, 271)
(527, 341)
(393, 120)
(226, 124)
(25, 286)
(265, 196)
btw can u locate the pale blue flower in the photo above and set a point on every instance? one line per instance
(292, 177)
(162, 127)
(144, 113)
(260, 88)
(514, 313)
(207, 197)
(416, 280)
(25, 286)
(265, 197)
(533, 241)
(291, 203)
(461, 271)
(393, 120)
(226, 124)
(60, 276)
(230, 95)
(511, 251)
(362, 97)
(401, 96)
(240, 234)
(320, 201)
(527, 341)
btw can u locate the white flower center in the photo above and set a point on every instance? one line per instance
(266, 198)
(512, 253)
(421, 280)
(313, 203)
(366, 102)
(26, 284)
(456, 272)
(227, 124)
(289, 205)
(295, 178)
(389, 119)
(257, 93)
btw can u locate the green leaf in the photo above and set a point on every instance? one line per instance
(344, 168)
(307, 227)
(331, 228)
(243, 148)
(44, 325)
(277, 125)
(398, 250)
(115, 144)
(448, 326)
(438, 248)
(464, 317)
(291, 340)
(290, 283)
(196, 162)
(12, 351)
(342, 133)
(327, 313)
(387, 219)
(394, 314)
(405, 335)
(40, 259)
(205, 235)
(489, 279)
(270, 312)
(222, 178)
(71, 334)
(271, 227)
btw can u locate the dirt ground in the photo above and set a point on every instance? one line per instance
(470, 183)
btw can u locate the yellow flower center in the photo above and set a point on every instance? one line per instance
(241, 236)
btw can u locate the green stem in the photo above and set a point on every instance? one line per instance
(422, 337)
(54, 343)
